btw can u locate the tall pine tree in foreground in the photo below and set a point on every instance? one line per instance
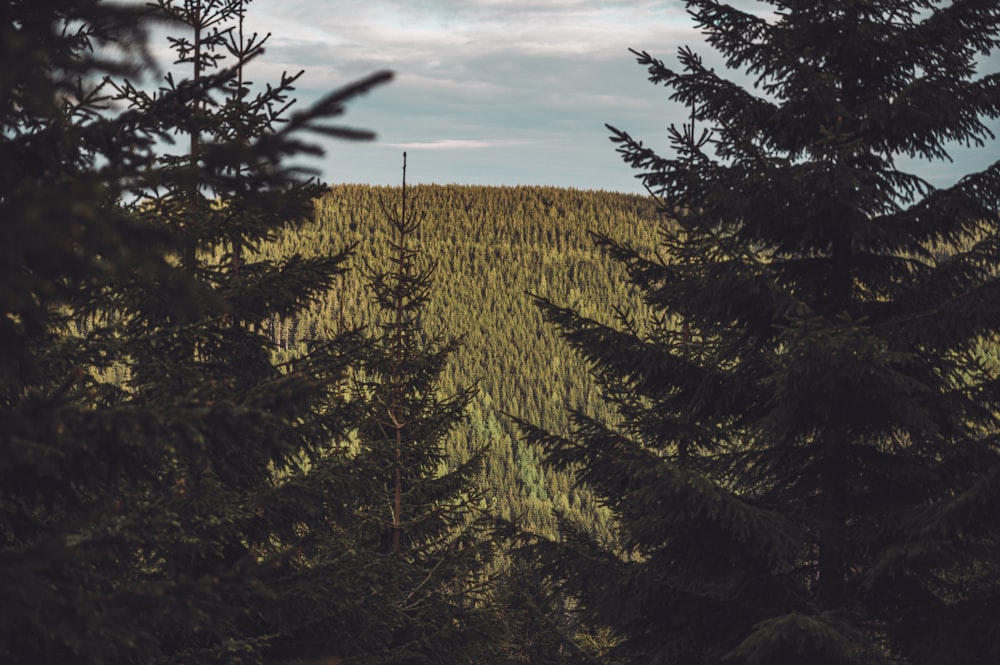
(408, 547)
(150, 515)
(68, 450)
(426, 511)
(247, 468)
(806, 467)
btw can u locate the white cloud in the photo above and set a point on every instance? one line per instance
(456, 144)
(411, 32)
(550, 72)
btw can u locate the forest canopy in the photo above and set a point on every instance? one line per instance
(748, 418)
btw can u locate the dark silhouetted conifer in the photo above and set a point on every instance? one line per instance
(150, 515)
(806, 467)
(253, 485)
(70, 450)
(420, 521)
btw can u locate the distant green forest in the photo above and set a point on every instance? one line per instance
(493, 248)
(752, 418)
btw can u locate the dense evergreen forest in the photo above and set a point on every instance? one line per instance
(750, 419)
(493, 249)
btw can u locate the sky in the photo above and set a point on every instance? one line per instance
(494, 92)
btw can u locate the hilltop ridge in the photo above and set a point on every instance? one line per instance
(493, 247)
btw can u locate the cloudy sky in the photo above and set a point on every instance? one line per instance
(490, 91)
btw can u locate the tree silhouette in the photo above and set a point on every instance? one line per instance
(149, 515)
(806, 460)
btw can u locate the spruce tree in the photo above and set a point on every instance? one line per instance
(805, 468)
(149, 516)
(248, 474)
(70, 449)
(419, 520)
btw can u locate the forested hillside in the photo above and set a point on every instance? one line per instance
(249, 419)
(493, 248)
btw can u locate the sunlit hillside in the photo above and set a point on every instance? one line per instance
(493, 247)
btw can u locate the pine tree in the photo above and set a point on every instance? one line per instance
(251, 485)
(70, 449)
(150, 518)
(419, 521)
(805, 468)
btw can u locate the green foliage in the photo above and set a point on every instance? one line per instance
(150, 517)
(803, 464)
(69, 451)
(492, 247)
(251, 471)
(784, 441)
(412, 516)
